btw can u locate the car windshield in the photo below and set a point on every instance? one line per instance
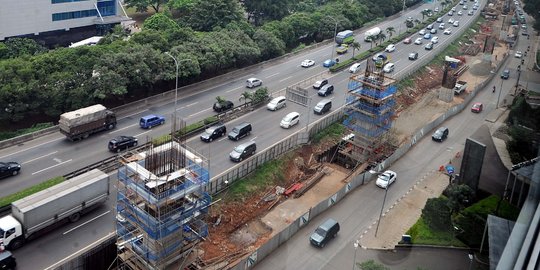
(476, 106)
(384, 177)
(320, 232)
(438, 133)
(238, 149)
(235, 130)
(287, 118)
(209, 131)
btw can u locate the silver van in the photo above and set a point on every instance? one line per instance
(243, 151)
(324, 233)
(323, 106)
(253, 82)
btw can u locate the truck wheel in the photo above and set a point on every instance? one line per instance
(74, 217)
(110, 126)
(16, 243)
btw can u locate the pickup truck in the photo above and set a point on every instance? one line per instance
(460, 87)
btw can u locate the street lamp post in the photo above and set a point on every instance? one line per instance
(176, 84)
(382, 208)
(356, 245)
(499, 96)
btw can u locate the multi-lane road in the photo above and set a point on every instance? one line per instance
(53, 155)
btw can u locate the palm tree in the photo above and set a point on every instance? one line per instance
(371, 39)
(355, 46)
(390, 30)
(381, 38)
(424, 14)
(416, 21)
(245, 96)
(220, 99)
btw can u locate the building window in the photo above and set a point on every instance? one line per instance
(107, 8)
(74, 15)
(65, 1)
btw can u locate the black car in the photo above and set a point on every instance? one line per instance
(9, 169)
(440, 134)
(505, 74)
(213, 133)
(326, 90)
(223, 106)
(122, 143)
(7, 261)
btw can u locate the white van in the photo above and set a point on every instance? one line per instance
(354, 68)
(253, 82)
(388, 68)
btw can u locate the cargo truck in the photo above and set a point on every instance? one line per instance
(65, 201)
(459, 87)
(372, 33)
(79, 124)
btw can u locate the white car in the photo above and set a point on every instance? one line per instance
(459, 13)
(454, 9)
(277, 103)
(436, 9)
(441, 26)
(447, 31)
(456, 24)
(518, 54)
(354, 68)
(307, 63)
(386, 178)
(439, 20)
(388, 68)
(450, 21)
(390, 48)
(422, 32)
(435, 39)
(418, 41)
(290, 120)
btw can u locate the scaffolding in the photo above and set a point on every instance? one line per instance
(160, 205)
(369, 115)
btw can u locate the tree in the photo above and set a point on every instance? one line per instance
(261, 10)
(270, 45)
(416, 21)
(381, 37)
(390, 30)
(17, 47)
(459, 196)
(409, 24)
(371, 39)
(245, 96)
(436, 213)
(260, 95)
(160, 22)
(205, 15)
(142, 5)
(355, 46)
(220, 100)
(424, 14)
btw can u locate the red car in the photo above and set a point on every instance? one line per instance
(477, 107)
(407, 41)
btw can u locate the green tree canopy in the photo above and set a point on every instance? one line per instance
(142, 5)
(205, 15)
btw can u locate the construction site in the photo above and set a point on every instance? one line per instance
(161, 205)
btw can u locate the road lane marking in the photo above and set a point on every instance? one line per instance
(232, 90)
(142, 133)
(130, 115)
(284, 79)
(52, 166)
(20, 151)
(191, 115)
(189, 105)
(120, 129)
(94, 218)
(34, 159)
(269, 76)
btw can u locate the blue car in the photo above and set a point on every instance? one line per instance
(329, 63)
(152, 120)
(427, 36)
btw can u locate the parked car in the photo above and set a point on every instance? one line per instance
(354, 68)
(243, 151)
(518, 54)
(329, 63)
(390, 48)
(324, 233)
(439, 20)
(253, 82)
(320, 83)
(477, 107)
(307, 63)
(465, 7)
(388, 67)
(418, 41)
(450, 13)
(213, 132)
(429, 46)
(422, 32)
(152, 120)
(456, 24)
(7, 261)
(433, 31)
(122, 143)
(450, 21)
(326, 90)
(290, 120)
(240, 131)
(277, 103)
(447, 31)
(441, 26)
(407, 41)
(413, 56)
(460, 13)
(505, 74)
(223, 106)
(435, 40)
(470, 13)
(440, 134)
(9, 169)
(385, 179)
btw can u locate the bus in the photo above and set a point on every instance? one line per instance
(345, 37)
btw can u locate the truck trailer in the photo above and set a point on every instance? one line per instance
(372, 33)
(79, 124)
(67, 200)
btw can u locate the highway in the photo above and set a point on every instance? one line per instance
(53, 155)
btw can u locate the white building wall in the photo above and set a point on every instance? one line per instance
(21, 17)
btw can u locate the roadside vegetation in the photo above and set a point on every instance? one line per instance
(5, 201)
(523, 128)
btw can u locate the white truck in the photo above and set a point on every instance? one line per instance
(373, 32)
(459, 87)
(67, 200)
